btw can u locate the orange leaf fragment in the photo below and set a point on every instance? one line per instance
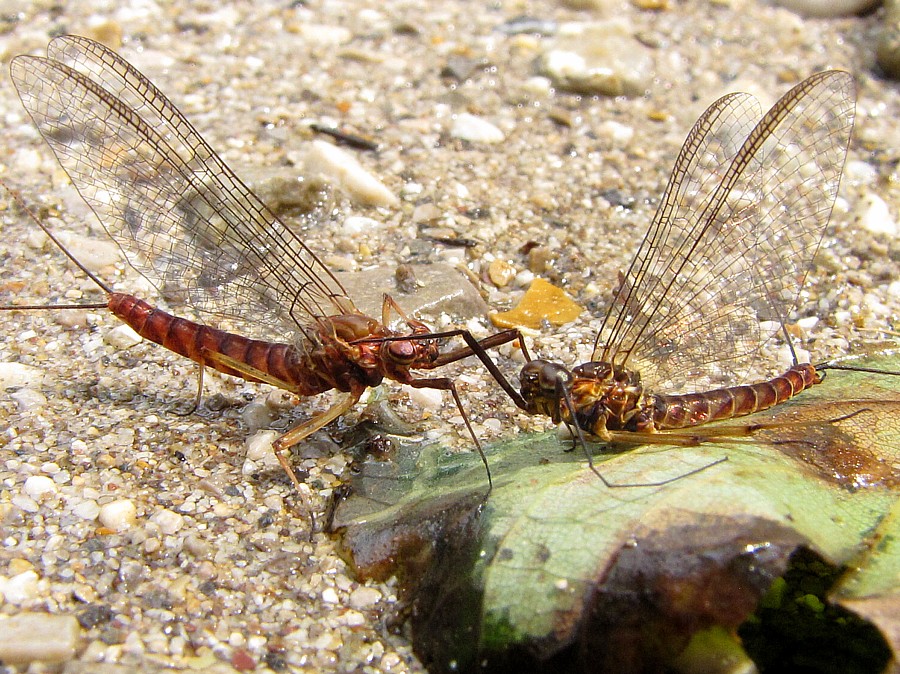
(542, 301)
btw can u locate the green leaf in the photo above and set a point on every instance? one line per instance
(553, 569)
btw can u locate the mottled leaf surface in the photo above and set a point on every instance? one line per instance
(552, 570)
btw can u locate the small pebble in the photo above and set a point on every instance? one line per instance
(118, 515)
(364, 597)
(87, 510)
(617, 133)
(329, 596)
(342, 168)
(786, 356)
(257, 415)
(242, 661)
(599, 58)
(122, 337)
(824, 9)
(501, 273)
(29, 637)
(71, 319)
(97, 254)
(353, 618)
(357, 224)
(322, 35)
(168, 521)
(39, 486)
(106, 31)
(28, 399)
(860, 173)
(27, 160)
(16, 375)
(475, 129)
(20, 588)
(259, 452)
(426, 398)
(19, 565)
(874, 215)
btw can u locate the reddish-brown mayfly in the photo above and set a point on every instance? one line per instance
(716, 276)
(185, 221)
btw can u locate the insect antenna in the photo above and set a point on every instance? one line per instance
(17, 197)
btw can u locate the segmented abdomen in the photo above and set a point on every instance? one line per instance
(681, 411)
(197, 342)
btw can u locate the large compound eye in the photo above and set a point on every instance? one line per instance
(544, 375)
(530, 375)
(552, 374)
(402, 352)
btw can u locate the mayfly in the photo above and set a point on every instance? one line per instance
(724, 258)
(184, 220)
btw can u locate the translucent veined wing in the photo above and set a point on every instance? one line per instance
(182, 217)
(734, 236)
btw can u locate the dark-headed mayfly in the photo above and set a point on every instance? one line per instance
(723, 261)
(186, 221)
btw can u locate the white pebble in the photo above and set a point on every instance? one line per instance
(858, 172)
(25, 503)
(538, 85)
(168, 521)
(95, 254)
(618, 133)
(87, 510)
(16, 375)
(842, 317)
(475, 129)
(329, 596)
(28, 399)
(364, 597)
(118, 515)
(342, 168)
(786, 357)
(260, 454)
(29, 637)
(493, 425)
(353, 618)
(824, 9)
(50, 468)
(122, 337)
(38, 486)
(357, 224)
(27, 160)
(411, 189)
(808, 323)
(324, 35)
(20, 588)
(599, 58)
(259, 445)
(875, 216)
(426, 398)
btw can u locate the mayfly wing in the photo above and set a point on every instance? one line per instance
(734, 237)
(182, 217)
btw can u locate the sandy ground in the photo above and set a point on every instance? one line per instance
(215, 569)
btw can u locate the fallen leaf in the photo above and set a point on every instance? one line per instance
(543, 301)
(552, 570)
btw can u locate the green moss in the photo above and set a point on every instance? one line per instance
(796, 629)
